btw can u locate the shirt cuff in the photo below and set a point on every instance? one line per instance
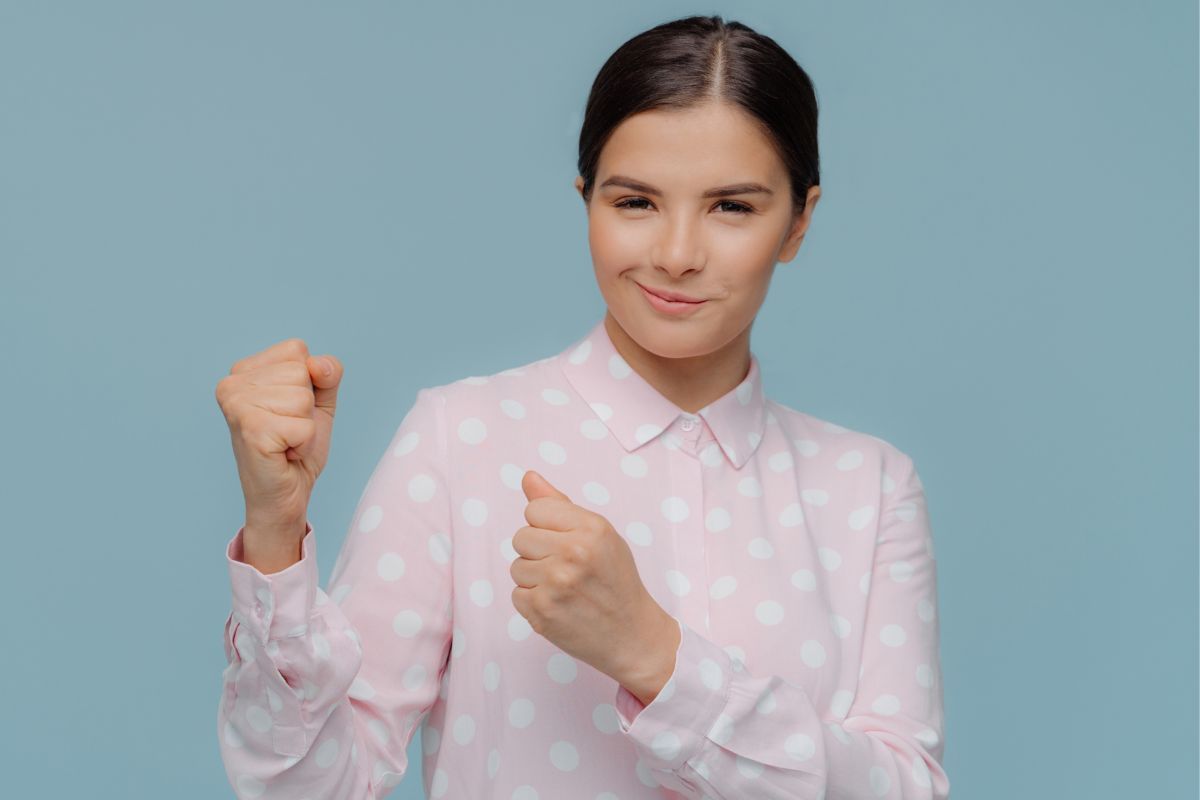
(275, 605)
(673, 727)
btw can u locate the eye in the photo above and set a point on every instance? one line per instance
(631, 202)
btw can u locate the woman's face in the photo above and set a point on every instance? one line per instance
(655, 221)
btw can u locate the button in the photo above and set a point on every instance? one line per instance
(258, 609)
(689, 422)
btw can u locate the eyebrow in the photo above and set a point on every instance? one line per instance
(720, 191)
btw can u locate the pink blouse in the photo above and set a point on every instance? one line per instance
(795, 555)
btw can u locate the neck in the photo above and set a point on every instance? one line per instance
(690, 383)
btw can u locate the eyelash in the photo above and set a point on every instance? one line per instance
(742, 208)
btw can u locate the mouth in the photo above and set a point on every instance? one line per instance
(672, 297)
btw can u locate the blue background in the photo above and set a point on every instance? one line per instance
(1001, 279)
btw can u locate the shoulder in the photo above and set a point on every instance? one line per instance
(840, 448)
(509, 390)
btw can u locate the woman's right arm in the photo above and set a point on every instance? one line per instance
(313, 703)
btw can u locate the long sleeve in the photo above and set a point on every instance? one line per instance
(718, 730)
(323, 692)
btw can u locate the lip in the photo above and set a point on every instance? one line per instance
(674, 297)
(670, 307)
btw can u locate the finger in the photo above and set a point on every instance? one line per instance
(536, 543)
(293, 349)
(554, 513)
(525, 573)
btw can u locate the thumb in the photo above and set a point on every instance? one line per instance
(325, 384)
(536, 486)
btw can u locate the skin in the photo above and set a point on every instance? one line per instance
(577, 581)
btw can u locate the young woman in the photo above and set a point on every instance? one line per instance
(620, 571)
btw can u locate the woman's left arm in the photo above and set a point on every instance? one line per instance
(717, 730)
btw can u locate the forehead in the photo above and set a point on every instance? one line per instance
(696, 147)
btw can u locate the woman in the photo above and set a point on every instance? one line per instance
(619, 571)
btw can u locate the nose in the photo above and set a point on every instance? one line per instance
(678, 248)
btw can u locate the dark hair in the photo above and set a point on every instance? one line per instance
(693, 60)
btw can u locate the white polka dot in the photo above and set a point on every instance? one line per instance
(321, 646)
(666, 745)
(925, 609)
(886, 484)
(370, 519)
(562, 668)
(812, 653)
(390, 567)
(791, 516)
(749, 769)
(717, 520)
(552, 452)
(440, 548)
(860, 517)
(800, 746)
(564, 756)
(596, 493)
(518, 628)
(839, 625)
(675, 509)
(893, 635)
(881, 784)
(744, 391)
(474, 511)
(761, 548)
(886, 704)
(833, 427)
(361, 689)
(769, 612)
(491, 676)
(407, 623)
(249, 786)
(327, 753)
(634, 465)
(924, 675)
(830, 559)
(750, 487)
(851, 459)
(481, 592)
(678, 583)
(580, 354)
(472, 430)
(414, 677)
(512, 409)
(520, 712)
(406, 444)
(555, 397)
(603, 410)
(805, 580)
(511, 476)
(232, 737)
(525, 792)
(780, 461)
(440, 783)
(259, 719)
(839, 704)
(806, 447)
(920, 773)
(907, 511)
(722, 587)
(646, 432)
(766, 703)
(864, 582)
(900, 571)
(493, 762)
(604, 717)
(593, 429)
(722, 729)
(639, 533)
(711, 455)
(422, 488)
(464, 729)
(815, 497)
(711, 674)
(618, 367)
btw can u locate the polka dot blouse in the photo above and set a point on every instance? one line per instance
(795, 555)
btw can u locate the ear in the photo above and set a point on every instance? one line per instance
(799, 226)
(579, 187)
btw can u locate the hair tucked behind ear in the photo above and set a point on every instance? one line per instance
(694, 60)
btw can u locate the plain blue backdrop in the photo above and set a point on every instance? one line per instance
(1001, 279)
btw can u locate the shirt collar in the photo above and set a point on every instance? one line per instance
(635, 412)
